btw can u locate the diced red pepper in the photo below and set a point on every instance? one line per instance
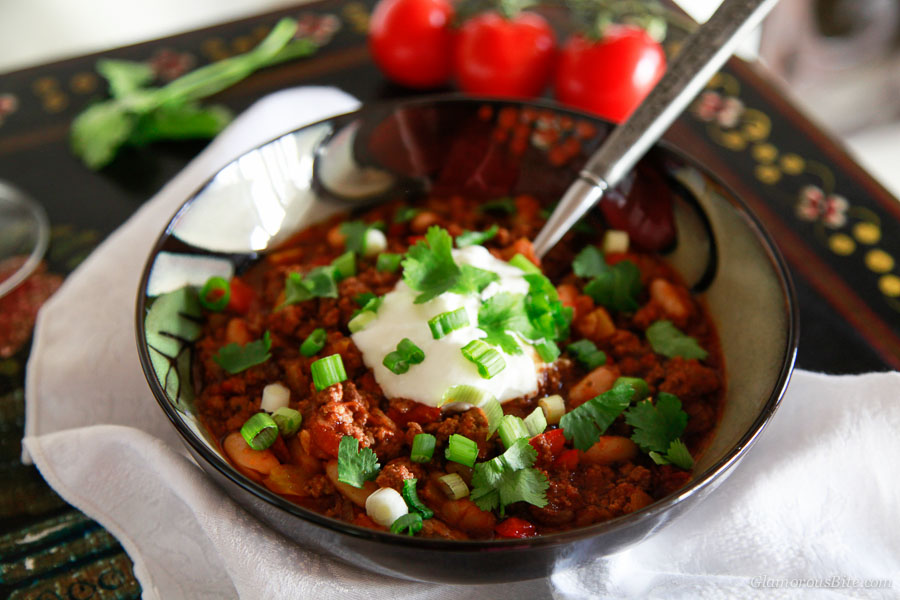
(568, 460)
(514, 527)
(555, 439)
(418, 413)
(241, 296)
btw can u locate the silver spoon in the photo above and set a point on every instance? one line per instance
(702, 54)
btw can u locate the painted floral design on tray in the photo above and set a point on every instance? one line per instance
(843, 228)
(318, 28)
(8, 105)
(168, 64)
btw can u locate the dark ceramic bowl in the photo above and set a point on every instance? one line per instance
(410, 147)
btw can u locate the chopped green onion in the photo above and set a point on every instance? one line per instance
(447, 322)
(586, 353)
(465, 393)
(640, 387)
(413, 354)
(410, 523)
(494, 413)
(405, 213)
(345, 265)
(412, 499)
(328, 371)
(615, 240)
(385, 505)
(376, 242)
(422, 448)
(511, 429)
(487, 360)
(288, 421)
(453, 486)
(274, 396)
(406, 354)
(215, 294)
(373, 304)
(364, 298)
(554, 408)
(462, 450)
(388, 262)
(359, 322)
(471, 238)
(260, 431)
(547, 350)
(536, 422)
(523, 263)
(314, 342)
(396, 363)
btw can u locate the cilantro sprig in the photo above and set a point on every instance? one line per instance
(677, 454)
(471, 238)
(509, 478)
(318, 283)
(657, 425)
(615, 287)
(586, 423)
(137, 114)
(356, 465)
(235, 358)
(668, 340)
(429, 269)
(501, 314)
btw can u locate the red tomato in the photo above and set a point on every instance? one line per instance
(411, 41)
(555, 438)
(609, 77)
(418, 413)
(241, 296)
(497, 56)
(567, 460)
(514, 527)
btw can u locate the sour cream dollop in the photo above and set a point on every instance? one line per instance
(444, 365)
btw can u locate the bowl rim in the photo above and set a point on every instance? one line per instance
(649, 513)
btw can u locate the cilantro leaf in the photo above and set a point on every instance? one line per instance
(471, 238)
(356, 465)
(589, 262)
(429, 267)
(667, 340)
(235, 358)
(616, 287)
(505, 205)
(677, 455)
(657, 426)
(474, 280)
(586, 423)
(318, 283)
(500, 314)
(509, 478)
(549, 318)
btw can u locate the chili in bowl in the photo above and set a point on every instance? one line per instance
(410, 377)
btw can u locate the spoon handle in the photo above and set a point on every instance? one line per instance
(702, 54)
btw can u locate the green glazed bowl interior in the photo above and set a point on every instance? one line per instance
(257, 201)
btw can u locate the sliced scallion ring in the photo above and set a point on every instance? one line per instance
(422, 448)
(523, 263)
(554, 408)
(288, 421)
(413, 354)
(328, 371)
(410, 523)
(345, 265)
(359, 322)
(313, 343)
(494, 413)
(536, 422)
(511, 429)
(462, 450)
(487, 360)
(412, 499)
(447, 322)
(388, 262)
(640, 387)
(215, 294)
(465, 393)
(453, 486)
(259, 431)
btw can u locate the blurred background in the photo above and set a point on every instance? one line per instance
(838, 59)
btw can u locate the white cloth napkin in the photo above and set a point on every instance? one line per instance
(816, 499)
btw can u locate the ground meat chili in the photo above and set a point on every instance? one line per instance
(615, 476)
